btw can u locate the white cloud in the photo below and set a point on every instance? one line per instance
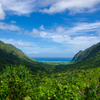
(2, 14)
(43, 34)
(22, 44)
(19, 43)
(82, 28)
(77, 43)
(42, 27)
(10, 41)
(74, 6)
(25, 7)
(60, 38)
(79, 35)
(11, 27)
(45, 3)
(73, 38)
(77, 29)
(84, 40)
(18, 7)
(68, 34)
(60, 29)
(34, 52)
(35, 32)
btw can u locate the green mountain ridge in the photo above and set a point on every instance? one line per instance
(10, 55)
(9, 48)
(90, 58)
(81, 55)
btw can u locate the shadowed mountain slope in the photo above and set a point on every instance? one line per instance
(10, 55)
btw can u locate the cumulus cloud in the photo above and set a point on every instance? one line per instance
(60, 38)
(19, 43)
(34, 52)
(77, 29)
(73, 38)
(83, 42)
(37, 33)
(22, 44)
(79, 34)
(43, 34)
(11, 27)
(34, 32)
(18, 7)
(11, 41)
(74, 6)
(2, 14)
(42, 27)
(60, 29)
(25, 7)
(40, 3)
(77, 43)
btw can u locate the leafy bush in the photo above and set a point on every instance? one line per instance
(15, 82)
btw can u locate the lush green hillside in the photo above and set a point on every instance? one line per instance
(10, 55)
(78, 80)
(9, 48)
(81, 55)
(90, 58)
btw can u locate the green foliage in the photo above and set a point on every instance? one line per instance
(81, 55)
(17, 83)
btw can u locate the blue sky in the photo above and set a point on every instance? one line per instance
(50, 28)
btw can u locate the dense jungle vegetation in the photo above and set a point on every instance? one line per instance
(27, 79)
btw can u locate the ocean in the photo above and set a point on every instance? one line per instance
(49, 59)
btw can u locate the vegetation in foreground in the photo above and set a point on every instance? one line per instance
(18, 83)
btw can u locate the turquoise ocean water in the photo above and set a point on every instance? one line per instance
(48, 59)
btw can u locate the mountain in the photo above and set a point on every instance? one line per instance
(10, 55)
(81, 55)
(87, 59)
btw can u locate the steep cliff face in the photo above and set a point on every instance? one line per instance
(81, 55)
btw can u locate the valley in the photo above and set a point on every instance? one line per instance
(23, 78)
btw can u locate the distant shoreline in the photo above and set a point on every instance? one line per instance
(52, 59)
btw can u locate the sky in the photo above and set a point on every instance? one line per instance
(50, 28)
